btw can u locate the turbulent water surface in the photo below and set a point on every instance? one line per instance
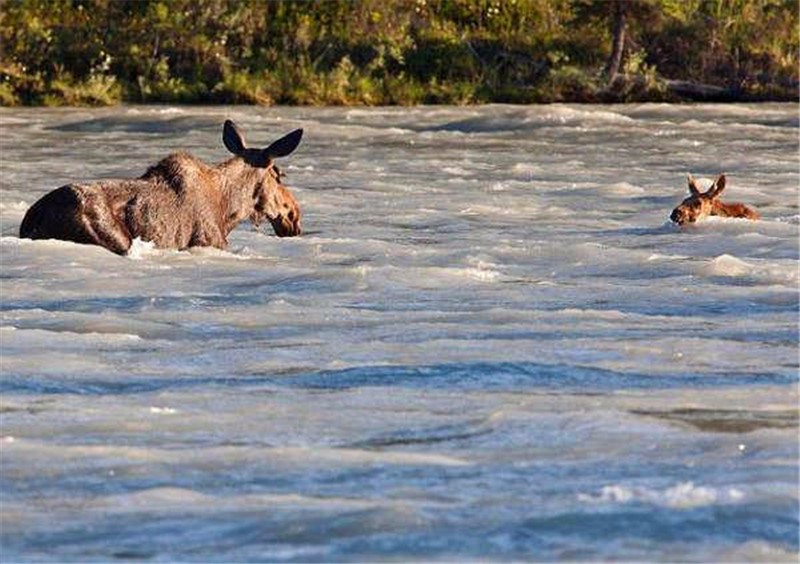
(488, 344)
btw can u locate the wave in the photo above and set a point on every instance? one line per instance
(755, 126)
(516, 119)
(429, 277)
(790, 219)
(141, 250)
(144, 123)
(169, 110)
(715, 115)
(61, 337)
(14, 206)
(101, 380)
(493, 376)
(681, 496)
(727, 266)
(55, 245)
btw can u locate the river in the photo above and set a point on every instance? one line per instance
(488, 344)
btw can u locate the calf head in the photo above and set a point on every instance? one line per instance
(271, 199)
(699, 204)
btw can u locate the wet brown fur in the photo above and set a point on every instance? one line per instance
(178, 203)
(703, 204)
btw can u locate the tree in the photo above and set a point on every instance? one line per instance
(620, 24)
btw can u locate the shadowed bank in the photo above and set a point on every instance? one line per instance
(378, 52)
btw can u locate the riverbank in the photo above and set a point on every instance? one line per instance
(378, 53)
(571, 86)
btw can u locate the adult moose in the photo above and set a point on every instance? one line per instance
(702, 204)
(180, 202)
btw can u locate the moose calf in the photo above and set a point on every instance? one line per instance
(180, 202)
(700, 205)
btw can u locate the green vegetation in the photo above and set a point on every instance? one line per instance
(374, 52)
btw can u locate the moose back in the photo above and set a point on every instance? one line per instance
(180, 202)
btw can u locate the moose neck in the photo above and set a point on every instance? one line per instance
(239, 184)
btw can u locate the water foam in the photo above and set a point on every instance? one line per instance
(685, 495)
(141, 249)
(784, 273)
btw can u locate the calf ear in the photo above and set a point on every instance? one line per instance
(718, 186)
(693, 189)
(285, 145)
(233, 138)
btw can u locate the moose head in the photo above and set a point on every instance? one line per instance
(700, 205)
(270, 198)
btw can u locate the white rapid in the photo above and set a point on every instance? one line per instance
(489, 343)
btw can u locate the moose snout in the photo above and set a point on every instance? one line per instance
(285, 227)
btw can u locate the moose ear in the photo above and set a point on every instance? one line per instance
(718, 186)
(285, 145)
(233, 138)
(695, 191)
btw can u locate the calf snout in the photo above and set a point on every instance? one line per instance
(677, 216)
